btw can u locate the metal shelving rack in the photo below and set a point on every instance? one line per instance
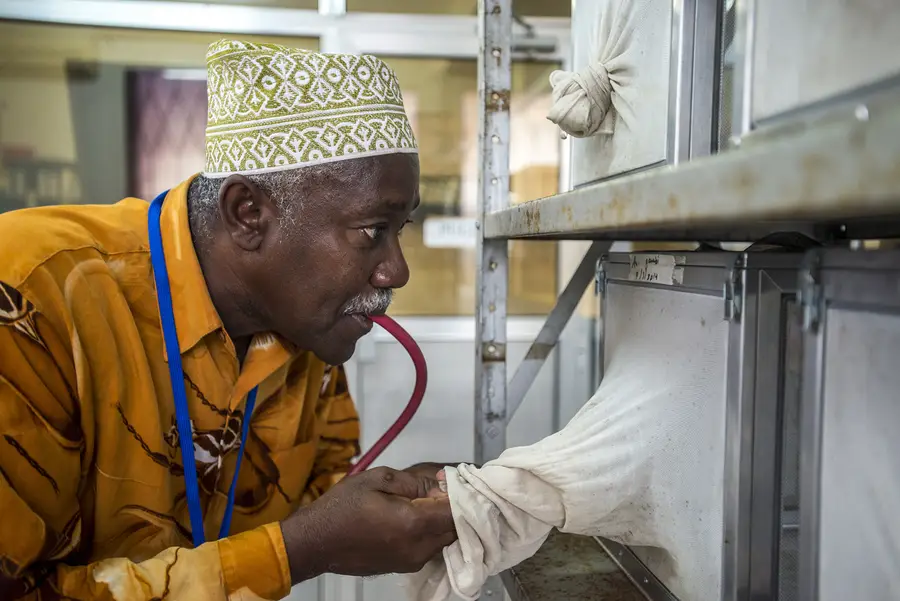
(831, 178)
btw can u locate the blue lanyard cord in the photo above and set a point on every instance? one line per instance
(176, 375)
(245, 428)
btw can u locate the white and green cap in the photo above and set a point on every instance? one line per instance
(273, 108)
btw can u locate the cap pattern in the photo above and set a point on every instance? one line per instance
(273, 108)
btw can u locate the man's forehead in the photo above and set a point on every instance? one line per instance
(387, 186)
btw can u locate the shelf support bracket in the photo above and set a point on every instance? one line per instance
(552, 329)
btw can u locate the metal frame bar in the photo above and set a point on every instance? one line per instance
(494, 78)
(773, 290)
(810, 453)
(740, 390)
(830, 279)
(693, 79)
(447, 36)
(838, 171)
(646, 582)
(600, 330)
(708, 30)
(547, 338)
(681, 69)
(332, 7)
(495, 19)
(743, 48)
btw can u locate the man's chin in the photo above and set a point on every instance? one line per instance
(336, 345)
(336, 354)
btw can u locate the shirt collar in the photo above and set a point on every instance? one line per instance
(195, 314)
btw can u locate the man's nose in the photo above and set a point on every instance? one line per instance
(393, 272)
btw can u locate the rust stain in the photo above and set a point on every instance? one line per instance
(533, 219)
(893, 175)
(497, 101)
(814, 165)
(814, 168)
(858, 139)
(744, 182)
(673, 202)
(616, 208)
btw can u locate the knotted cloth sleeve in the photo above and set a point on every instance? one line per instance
(615, 102)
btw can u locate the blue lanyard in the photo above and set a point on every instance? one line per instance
(176, 375)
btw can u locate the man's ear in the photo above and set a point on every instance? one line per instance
(246, 211)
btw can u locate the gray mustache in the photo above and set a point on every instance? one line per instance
(373, 304)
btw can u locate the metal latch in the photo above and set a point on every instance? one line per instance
(810, 294)
(600, 279)
(733, 292)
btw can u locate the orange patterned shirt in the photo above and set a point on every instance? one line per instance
(92, 498)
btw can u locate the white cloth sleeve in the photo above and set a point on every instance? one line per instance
(616, 470)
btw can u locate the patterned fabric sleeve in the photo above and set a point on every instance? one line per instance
(42, 446)
(339, 435)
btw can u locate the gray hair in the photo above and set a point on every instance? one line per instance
(203, 197)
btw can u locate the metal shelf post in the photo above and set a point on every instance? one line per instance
(494, 81)
(495, 20)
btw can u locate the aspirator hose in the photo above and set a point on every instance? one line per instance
(418, 359)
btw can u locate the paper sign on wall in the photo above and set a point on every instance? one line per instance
(449, 232)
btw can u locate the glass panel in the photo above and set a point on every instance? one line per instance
(442, 100)
(90, 115)
(533, 8)
(65, 114)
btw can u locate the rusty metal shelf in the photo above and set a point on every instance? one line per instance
(836, 174)
(575, 568)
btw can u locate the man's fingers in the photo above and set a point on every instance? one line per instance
(448, 539)
(402, 484)
(437, 493)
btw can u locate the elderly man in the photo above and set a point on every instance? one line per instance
(147, 349)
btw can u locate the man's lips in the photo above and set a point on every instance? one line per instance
(364, 322)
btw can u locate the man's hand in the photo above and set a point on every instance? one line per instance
(381, 521)
(430, 470)
(427, 470)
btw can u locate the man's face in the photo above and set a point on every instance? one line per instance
(317, 278)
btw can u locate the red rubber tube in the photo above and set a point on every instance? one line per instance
(415, 400)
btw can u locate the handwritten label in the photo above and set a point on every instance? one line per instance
(667, 270)
(449, 232)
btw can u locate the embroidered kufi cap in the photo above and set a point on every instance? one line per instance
(273, 108)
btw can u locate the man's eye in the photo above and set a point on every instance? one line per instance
(374, 232)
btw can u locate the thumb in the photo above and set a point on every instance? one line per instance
(438, 513)
(403, 484)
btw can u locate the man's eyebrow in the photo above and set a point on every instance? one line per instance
(397, 204)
